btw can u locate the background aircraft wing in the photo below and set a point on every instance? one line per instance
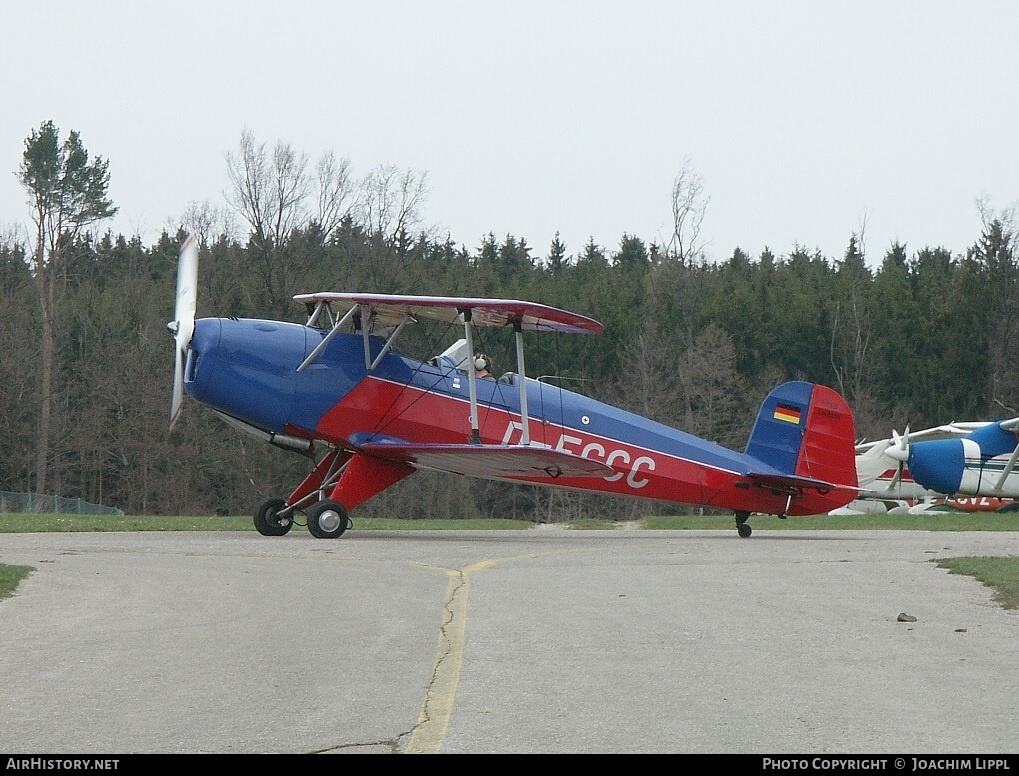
(489, 460)
(947, 431)
(391, 309)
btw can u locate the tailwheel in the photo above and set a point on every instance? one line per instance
(328, 520)
(271, 518)
(742, 528)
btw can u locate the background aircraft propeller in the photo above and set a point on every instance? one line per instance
(899, 451)
(183, 324)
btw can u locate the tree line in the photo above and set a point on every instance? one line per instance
(921, 338)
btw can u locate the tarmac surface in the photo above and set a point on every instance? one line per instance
(539, 641)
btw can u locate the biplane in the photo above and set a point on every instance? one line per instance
(335, 388)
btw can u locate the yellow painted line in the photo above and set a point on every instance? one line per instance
(437, 709)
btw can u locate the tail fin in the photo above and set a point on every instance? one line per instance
(806, 430)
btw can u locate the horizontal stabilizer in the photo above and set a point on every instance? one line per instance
(490, 460)
(782, 481)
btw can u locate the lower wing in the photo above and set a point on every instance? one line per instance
(489, 460)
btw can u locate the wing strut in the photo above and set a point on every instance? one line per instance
(325, 340)
(525, 438)
(471, 377)
(387, 346)
(358, 310)
(1008, 469)
(1008, 425)
(518, 332)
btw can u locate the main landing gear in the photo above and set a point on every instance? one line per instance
(742, 528)
(342, 480)
(326, 519)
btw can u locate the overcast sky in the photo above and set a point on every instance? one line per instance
(806, 121)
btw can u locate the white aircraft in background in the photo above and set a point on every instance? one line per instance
(970, 466)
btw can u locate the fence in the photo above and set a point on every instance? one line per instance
(51, 505)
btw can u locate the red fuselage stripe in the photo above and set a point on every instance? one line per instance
(414, 415)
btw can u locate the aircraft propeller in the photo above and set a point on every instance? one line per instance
(183, 324)
(899, 451)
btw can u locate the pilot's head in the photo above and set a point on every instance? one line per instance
(482, 363)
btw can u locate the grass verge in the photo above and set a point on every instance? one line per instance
(10, 578)
(1001, 574)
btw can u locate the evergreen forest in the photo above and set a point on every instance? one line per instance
(916, 337)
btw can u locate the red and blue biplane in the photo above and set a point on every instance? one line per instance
(336, 386)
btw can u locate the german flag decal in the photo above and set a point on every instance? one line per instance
(787, 413)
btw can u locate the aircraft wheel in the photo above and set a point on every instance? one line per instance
(328, 520)
(742, 528)
(267, 520)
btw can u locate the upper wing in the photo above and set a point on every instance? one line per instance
(391, 309)
(489, 460)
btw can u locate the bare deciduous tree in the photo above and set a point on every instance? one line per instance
(274, 193)
(650, 384)
(392, 201)
(852, 323)
(689, 206)
(206, 222)
(713, 392)
(269, 188)
(337, 194)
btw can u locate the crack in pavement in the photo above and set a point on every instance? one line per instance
(437, 708)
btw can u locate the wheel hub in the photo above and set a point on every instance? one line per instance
(329, 520)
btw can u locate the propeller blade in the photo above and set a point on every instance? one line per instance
(183, 325)
(899, 449)
(178, 389)
(897, 477)
(187, 293)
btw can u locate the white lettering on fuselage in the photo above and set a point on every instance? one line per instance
(974, 501)
(618, 459)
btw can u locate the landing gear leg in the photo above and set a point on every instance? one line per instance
(742, 528)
